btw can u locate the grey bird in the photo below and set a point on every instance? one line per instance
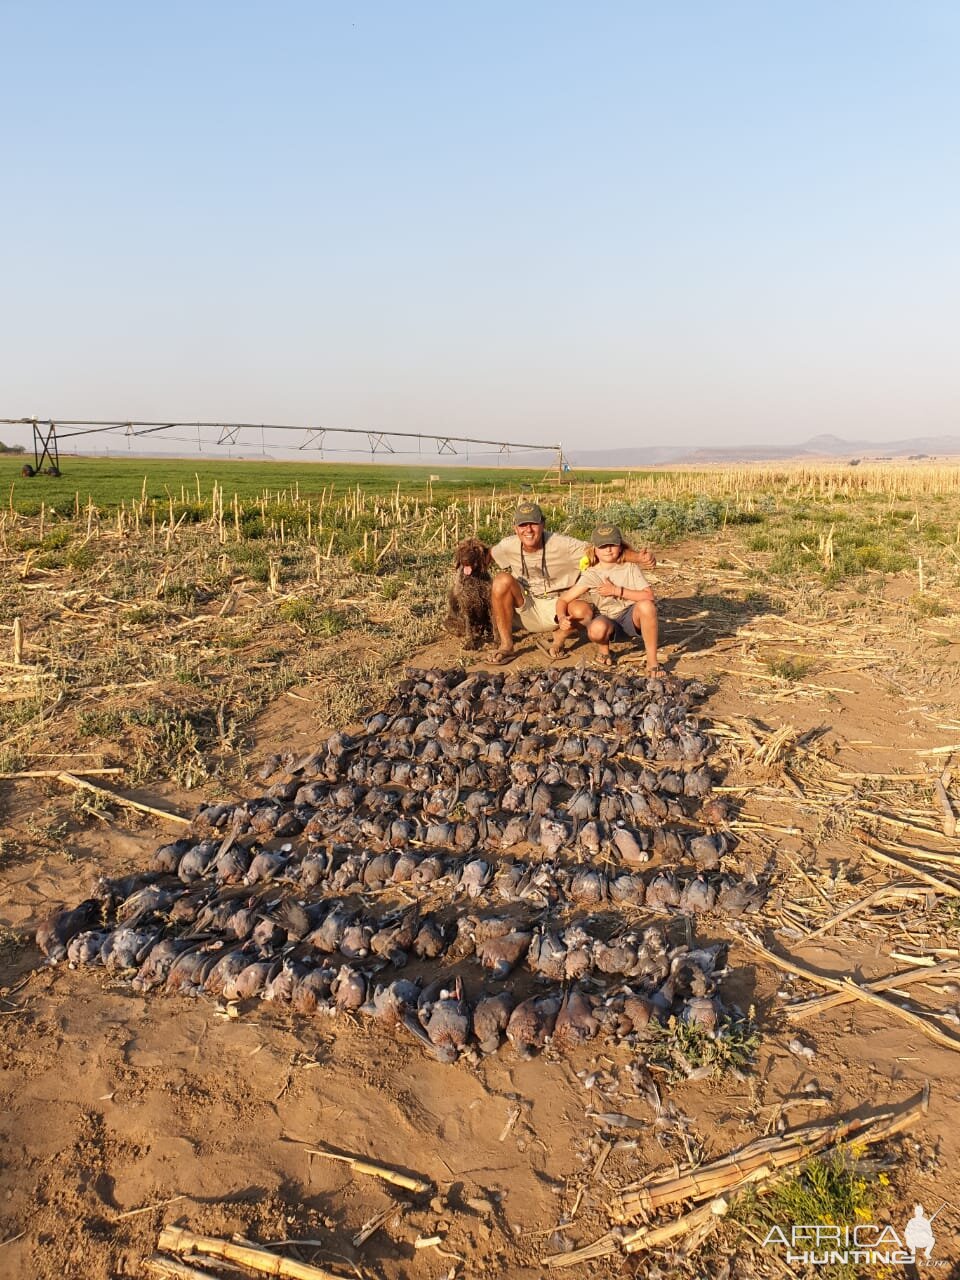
(575, 1023)
(126, 948)
(531, 1024)
(546, 955)
(348, 988)
(501, 954)
(698, 895)
(627, 888)
(706, 851)
(429, 941)
(739, 897)
(663, 891)
(57, 930)
(250, 980)
(490, 1017)
(84, 948)
(447, 1023)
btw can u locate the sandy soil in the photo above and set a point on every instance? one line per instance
(113, 1103)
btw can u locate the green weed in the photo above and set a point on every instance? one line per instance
(297, 609)
(680, 1048)
(792, 669)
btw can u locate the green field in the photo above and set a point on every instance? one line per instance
(108, 482)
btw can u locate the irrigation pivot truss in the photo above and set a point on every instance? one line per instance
(48, 432)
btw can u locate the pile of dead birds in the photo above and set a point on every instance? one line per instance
(486, 833)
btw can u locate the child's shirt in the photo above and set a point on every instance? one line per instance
(621, 574)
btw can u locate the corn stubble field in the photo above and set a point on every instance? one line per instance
(161, 621)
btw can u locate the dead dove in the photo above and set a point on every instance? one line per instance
(348, 988)
(662, 891)
(531, 1023)
(446, 1022)
(698, 895)
(490, 1018)
(84, 948)
(56, 931)
(501, 954)
(575, 1021)
(706, 851)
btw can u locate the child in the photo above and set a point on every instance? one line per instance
(622, 597)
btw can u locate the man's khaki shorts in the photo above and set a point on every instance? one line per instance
(539, 613)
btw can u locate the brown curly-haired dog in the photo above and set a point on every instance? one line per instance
(468, 606)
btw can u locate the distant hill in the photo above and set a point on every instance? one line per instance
(822, 446)
(11, 448)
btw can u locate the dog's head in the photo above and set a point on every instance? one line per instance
(472, 557)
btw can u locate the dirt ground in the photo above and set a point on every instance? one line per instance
(122, 1113)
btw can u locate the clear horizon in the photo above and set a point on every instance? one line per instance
(628, 226)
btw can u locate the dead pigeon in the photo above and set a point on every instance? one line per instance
(490, 1018)
(575, 1021)
(629, 848)
(501, 954)
(125, 949)
(429, 941)
(698, 895)
(84, 948)
(706, 851)
(447, 1024)
(546, 955)
(348, 988)
(663, 891)
(531, 1023)
(250, 981)
(701, 1011)
(56, 931)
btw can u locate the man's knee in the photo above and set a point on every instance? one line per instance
(503, 587)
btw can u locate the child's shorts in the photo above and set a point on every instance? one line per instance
(624, 627)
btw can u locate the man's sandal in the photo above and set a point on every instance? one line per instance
(502, 657)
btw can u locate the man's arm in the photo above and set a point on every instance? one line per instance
(642, 556)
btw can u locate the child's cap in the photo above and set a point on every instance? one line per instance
(606, 535)
(528, 513)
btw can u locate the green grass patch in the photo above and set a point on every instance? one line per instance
(680, 1048)
(791, 669)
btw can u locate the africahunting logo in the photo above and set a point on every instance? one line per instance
(867, 1243)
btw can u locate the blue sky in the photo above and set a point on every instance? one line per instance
(604, 224)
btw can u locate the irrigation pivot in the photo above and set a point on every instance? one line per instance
(47, 432)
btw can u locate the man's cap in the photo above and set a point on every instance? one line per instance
(606, 535)
(528, 513)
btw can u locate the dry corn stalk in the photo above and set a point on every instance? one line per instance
(179, 1240)
(949, 818)
(359, 1165)
(819, 1004)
